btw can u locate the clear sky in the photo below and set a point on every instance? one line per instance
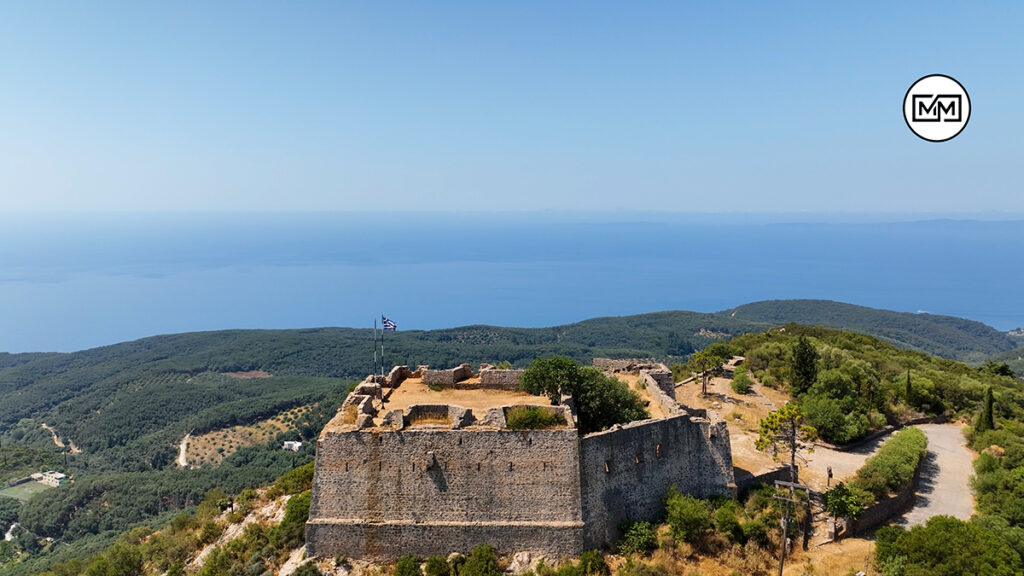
(686, 106)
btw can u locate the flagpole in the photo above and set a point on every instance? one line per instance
(382, 349)
(374, 371)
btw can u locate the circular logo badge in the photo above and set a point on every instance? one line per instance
(937, 108)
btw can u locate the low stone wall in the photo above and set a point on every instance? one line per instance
(881, 512)
(748, 481)
(626, 364)
(397, 375)
(655, 389)
(496, 379)
(447, 377)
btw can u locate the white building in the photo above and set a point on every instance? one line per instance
(292, 445)
(53, 478)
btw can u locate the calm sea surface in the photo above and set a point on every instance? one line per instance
(75, 281)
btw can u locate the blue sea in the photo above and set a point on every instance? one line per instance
(76, 281)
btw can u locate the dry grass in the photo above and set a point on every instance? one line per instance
(214, 446)
(427, 420)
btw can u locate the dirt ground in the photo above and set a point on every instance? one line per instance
(414, 391)
(212, 447)
(633, 380)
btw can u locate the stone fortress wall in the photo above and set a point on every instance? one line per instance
(438, 478)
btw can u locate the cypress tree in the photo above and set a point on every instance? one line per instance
(910, 390)
(804, 368)
(988, 421)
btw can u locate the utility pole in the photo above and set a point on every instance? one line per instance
(790, 500)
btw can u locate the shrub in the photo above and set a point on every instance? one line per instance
(532, 418)
(297, 480)
(437, 566)
(688, 517)
(740, 382)
(756, 532)
(308, 569)
(637, 538)
(483, 561)
(592, 563)
(892, 468)
(408, 566)
(725, 522)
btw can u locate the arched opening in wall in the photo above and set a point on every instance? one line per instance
(607, 466)
(346, 466)
(657, 451)
(509, 466)
(639, 457)
(477, 466)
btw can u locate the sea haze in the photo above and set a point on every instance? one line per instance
(69, 282)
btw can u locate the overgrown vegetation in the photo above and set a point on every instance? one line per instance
(601, 401)
(533, 418)
(850, 384)
(892, 468)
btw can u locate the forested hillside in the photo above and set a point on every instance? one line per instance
(127, 406)
(945, 336)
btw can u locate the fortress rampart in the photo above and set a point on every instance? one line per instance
(434, 478)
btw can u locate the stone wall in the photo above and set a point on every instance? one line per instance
(656, 390)
(625, 365)
(429, 491)
(497, 379)
(448, 377)
(626, 471)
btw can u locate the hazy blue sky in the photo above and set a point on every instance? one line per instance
(760, 106)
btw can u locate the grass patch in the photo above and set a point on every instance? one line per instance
(533, 418)
(24, 491)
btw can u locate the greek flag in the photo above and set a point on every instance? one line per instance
(388, 324)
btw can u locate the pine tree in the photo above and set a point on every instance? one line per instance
(910, 390)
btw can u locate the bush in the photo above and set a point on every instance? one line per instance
(533, 418)
(437, 566)
(687, 516)
(893, 467)
(298, 480)
(308, 569)
(483, 561)
(741, 380)
(637, 538)
(408, 566)
(755, 531)
(592, 563)
(945, 545)
(725, 522)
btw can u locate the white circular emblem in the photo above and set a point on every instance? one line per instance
(937, 108)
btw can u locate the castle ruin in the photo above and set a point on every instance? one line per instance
(422, 462)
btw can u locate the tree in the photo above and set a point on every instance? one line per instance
(551, 377)
(786, 430)
(804, 366)
(910, 389)
(483, 561)
(703, 364)
(601, 401)
(841, 502)
(987, 420)
(687, 516)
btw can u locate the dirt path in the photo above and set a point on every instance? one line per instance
(183, 451)
(60, 443)
(945, 487)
